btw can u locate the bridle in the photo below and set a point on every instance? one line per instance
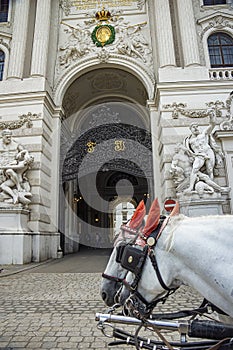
(132, 257)
(120, 248)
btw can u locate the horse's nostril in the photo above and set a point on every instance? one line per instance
(104, 295)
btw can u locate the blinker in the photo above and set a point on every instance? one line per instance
(131, 258)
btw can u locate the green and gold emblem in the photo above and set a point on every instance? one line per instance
(104, 33)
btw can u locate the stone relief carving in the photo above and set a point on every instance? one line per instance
(77, 45)
(218, 22)
(103, 56)
(217, 106)
(228, 123)
(15, 160)
(26, 119)
(108, 81)
(179, 108)
(141, 4)
(130, 41)
(194, 161)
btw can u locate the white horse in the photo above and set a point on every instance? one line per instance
(195, 252)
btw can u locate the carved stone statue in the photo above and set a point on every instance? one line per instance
(181, 165)
(14, 163)
(8, 148)
(192, 167)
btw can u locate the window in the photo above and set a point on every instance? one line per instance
(214, 2)
(220, 47)
(2, 61)
(4, 6)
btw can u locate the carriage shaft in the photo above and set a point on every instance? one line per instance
(176, 326)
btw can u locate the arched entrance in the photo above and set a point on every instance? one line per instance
(106, 156)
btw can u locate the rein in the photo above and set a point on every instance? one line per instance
(113, 278)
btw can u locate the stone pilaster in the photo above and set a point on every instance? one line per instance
(164, 34)
(19, 37)
(226, 138)
(188, 33)
(155, 146)
(41, 38)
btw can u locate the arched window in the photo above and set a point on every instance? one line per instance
(2, 61)
(214, 2)
(220, 50)
(4, 6)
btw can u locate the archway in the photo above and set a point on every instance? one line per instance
(106, 155)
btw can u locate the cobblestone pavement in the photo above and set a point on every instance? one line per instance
(52, 310)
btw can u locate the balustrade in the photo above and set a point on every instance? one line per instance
(221, 74)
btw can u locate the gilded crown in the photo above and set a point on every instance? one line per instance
(103, 15)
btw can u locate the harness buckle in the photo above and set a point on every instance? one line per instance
(151, 241)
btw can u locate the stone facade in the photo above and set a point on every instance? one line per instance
(147, 62)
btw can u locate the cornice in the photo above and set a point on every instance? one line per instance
(214, 15)
(193, 86)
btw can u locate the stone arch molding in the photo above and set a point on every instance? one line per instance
(87, 65)
(5, 47)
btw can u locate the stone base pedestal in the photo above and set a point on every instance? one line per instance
(193, 205)
(15, 237)
(15, 248)
(13, 220)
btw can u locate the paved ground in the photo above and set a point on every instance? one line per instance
(53, 305)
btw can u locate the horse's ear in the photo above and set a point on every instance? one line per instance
(153, 218)
(175, 210)
(138, 216)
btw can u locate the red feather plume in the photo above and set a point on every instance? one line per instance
(153, 218)
(138, 216)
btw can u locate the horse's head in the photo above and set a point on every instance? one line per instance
(114, 273)
(137, 258)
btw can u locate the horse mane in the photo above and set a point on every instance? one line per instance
(173, 223)
(176, 220)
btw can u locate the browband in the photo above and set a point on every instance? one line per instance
(128, 229)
